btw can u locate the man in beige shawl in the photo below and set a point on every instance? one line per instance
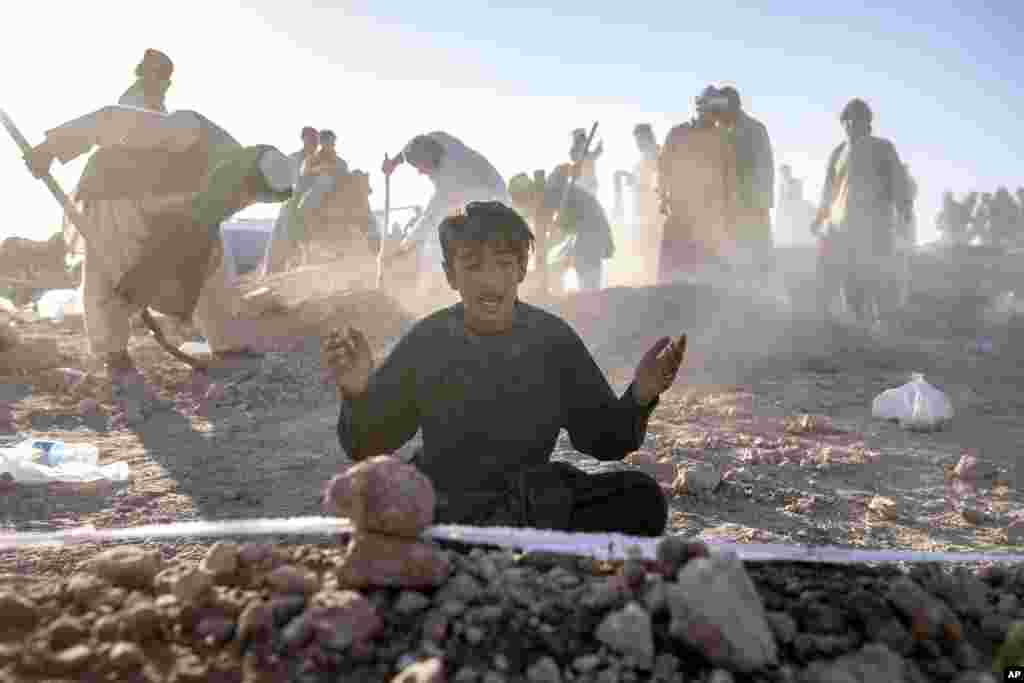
(865, 197)
(149, 168)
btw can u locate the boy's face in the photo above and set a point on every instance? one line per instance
(487, 276)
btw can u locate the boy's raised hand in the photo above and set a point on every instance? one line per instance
(349, 358)
(658, 369)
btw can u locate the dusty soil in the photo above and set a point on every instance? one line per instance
(264, 443)
(266, 447)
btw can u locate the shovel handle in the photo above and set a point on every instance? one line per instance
(51, 183)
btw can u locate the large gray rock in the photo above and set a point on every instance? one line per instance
(629, 632)
(873, 662)
(716, 609)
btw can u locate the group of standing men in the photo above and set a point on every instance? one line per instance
(992, 219)
(707, 193)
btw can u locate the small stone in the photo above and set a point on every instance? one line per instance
(975, 677)
(253, 554)
(453, 608)
(1015, 531)
(1008, 604)
(192, 586)
(256, 623)
(291, 579)
(629, 632)
(378, 561)
(586, 663)
(190, 669)
(76, 658)
(221, 560)
(125, 656)
(700, 480)
(474, 635)
(883, 508)
(665, 667)
(466, 674)
(428, 671)
(656, 598)
(720, 676)
(544, 670)
(218, 630)
(107, 629)
(297, 634)
(461, 587)
(88, 406)
(435, 626)
(874, 662)
(783, 626)
(287, 607)
(65, 632)
(20, 614)
(141, 623)
(345, 619)
(966, 656)
(411, 602)
(928, 615)
(127, 566)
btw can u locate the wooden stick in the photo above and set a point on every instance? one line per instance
(387, 225)
(51, 183)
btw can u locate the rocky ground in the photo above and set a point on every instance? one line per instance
(766, 437)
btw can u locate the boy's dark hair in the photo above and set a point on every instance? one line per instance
(328, 136)
(482, 222)
(424, 150)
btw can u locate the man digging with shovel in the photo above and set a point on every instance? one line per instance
(151, 200)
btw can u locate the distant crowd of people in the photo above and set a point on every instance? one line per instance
(993, 219)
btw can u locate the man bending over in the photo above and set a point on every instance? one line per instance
(491, 381)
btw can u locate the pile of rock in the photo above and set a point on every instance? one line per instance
(390, 504)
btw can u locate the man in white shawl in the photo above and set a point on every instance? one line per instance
(155, 192)
(460, 175)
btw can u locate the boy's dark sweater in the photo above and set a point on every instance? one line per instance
(490, 406)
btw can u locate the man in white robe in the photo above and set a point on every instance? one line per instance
(460, 175)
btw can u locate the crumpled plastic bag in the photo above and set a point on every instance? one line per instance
(916, 405)
(24, 464)
(58, 303)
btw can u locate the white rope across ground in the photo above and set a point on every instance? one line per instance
(597, 546)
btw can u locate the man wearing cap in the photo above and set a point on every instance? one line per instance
(152, 80)
(460, 175)
(156, 192)
(865, 195)
(697, 182)
(280, 247)
(755, 183)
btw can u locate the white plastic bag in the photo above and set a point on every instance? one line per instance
(26, 464)
(916, 405)
(57, 303)
(196, 348)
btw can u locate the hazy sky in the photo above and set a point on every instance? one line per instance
(513, 81)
